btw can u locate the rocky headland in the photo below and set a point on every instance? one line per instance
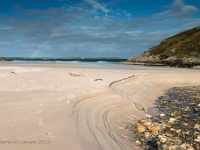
(180, 50)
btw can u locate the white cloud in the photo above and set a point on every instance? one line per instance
(178, 9)
(181, 9)
(97, 5)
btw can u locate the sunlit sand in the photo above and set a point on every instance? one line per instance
(58, 107)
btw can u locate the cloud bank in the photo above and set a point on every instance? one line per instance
(178, 9)
(88, 28)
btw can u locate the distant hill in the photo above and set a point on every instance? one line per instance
(180, 50)
(66, 59)
(4, 59)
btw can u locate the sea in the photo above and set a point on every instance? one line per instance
(91, 63)
(59, 60)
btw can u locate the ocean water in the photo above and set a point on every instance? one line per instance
(75, 63)
(60, 60)
(90, 64)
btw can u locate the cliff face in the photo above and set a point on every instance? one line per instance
(181, 50)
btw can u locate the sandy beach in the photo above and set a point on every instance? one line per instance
(48, 107)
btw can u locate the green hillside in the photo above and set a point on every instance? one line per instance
(184, 44)
(180, 50)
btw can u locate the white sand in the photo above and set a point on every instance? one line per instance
(64, 108)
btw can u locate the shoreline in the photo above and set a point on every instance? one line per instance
(75, 108)
(156, 65)
(96, 66)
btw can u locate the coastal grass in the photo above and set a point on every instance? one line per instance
(185, 44)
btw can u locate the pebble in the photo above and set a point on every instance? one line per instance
(138, 143)
(172, 120)
(178, 124)
(162, 115)
(147, 134)
(198, 138)
(197, 126)
(141, 128)
(163, 140)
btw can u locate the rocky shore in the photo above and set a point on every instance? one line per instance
(177, 127)
(171, 61)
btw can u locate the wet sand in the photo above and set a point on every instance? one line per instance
(65, 107)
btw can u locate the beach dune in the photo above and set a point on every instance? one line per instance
(63, 108)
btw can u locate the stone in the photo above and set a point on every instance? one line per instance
(138, 143)
(152, 144)
(198, 138)
(172, 120)
(148, 124)
(178, 141)
(141, 128)
(185, 124)
(155, 128)
(139, 106)
(172, 129)
(178, 131)
(187, 132)
(185, 146)
(187, 109)
(197, 126)
(162, 126)
(148, 116)
(196, 110)
(162, 115)
(173, 147)
(155, 133)
(164, 146)
(163, 139)
(147, 135)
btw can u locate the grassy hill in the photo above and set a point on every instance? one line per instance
(184, 44)
(182, 48)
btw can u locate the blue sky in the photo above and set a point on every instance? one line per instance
(91, 28)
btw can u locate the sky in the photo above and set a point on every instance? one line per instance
(91, 28)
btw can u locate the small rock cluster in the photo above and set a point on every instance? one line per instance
(177, 127)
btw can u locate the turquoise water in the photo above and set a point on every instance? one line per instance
(91, 65)
(62, 60)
